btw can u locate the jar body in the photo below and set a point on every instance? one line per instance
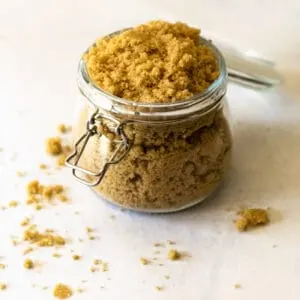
(169, 166)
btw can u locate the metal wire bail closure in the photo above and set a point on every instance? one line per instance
(83, 175)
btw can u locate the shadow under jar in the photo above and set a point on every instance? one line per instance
(152, 157)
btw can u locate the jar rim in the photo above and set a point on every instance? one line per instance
(100, 98)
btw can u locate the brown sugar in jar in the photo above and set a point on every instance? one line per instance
(157, 144)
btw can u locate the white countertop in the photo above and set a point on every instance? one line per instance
(40, 44)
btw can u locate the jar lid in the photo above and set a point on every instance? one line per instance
(249, 69)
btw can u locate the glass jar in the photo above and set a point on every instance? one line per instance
(152, 157)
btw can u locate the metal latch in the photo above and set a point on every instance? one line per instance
(89, 177)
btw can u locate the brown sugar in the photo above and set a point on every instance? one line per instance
(34, 188)
(144, 261)
(28, 250)
(54, 146)
(37, 193)
(43, 239)
(182, 161)
(104, 266)
(43, 166)
(251, 217)
(94, 269)
(61, 160)
(154, 62)
(169, 242)
(62, 291)
(25, 222)
(21, 174)
(192, 156)
(62, 198)
(56, 255)
(38, 207)
(28, 264)
(101, 263)
(174, 255)
(97, 261)
(13, 203)
(62, 128)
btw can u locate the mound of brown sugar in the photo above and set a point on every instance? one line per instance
(154, 62)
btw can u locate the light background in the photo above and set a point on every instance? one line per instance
(40, 45)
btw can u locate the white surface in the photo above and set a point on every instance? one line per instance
(40, 44)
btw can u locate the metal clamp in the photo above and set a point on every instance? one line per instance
(91, 126)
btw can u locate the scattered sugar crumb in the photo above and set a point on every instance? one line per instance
(91, 238)
(97, 261)
(237, 286)
(94, 269)
(15, 242)
(62, 128)
(28, 264)
(2, 266)
(173, 254)
(13, 203)
(61, 159)
(62, 291)
(38, 193)
(251, 217)
(167, 277)
(76, 257)
(34, 188)
(158, 245)
(63, 198)
(25, 222)
(38, 207)
(21, 174)
(67, 149)
(3, 286)
(101, 263)
(28, 250)
(104, 266)
(43, 239)
(89, 229)
(80, 290)
(43, 166)
(170, 242)
(56, 255)
(159, 288)
(144, 261)
(32, 199)
(54, 146)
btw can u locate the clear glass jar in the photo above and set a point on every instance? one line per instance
(152, 157)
